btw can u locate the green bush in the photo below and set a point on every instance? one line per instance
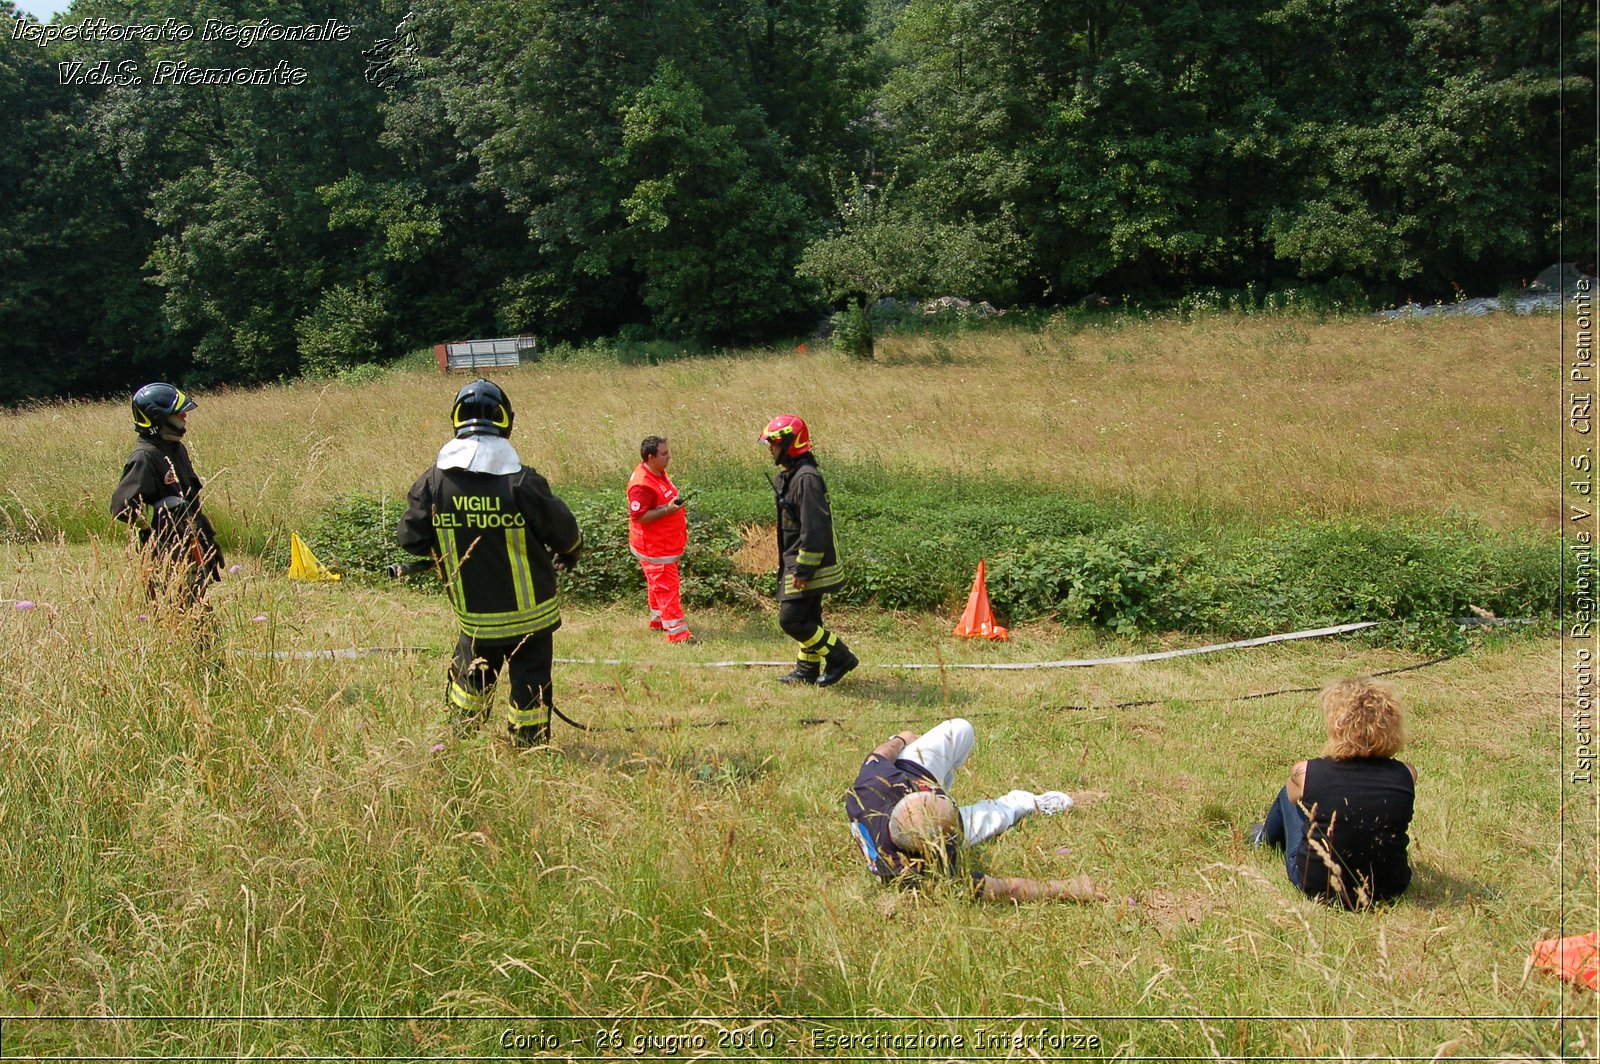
(909, 545)
(607, 571)
(852, 332)
(1120, 580)
(349, 327)
(356, 537)
(1415, 578)
(1336, 572)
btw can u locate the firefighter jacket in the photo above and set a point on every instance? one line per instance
(806, 545)
(497, 529)
(159, 475)
(660, 541)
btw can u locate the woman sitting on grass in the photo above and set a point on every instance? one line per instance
(1342, 819)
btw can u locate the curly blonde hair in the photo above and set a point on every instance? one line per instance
(1363, 719)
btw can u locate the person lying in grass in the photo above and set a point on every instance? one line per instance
(906, 824)
(1343, 817)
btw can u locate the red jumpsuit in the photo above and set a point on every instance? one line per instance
(658, 545)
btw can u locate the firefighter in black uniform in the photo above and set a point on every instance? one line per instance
(808, 562)
(159, 495)
(499, 534)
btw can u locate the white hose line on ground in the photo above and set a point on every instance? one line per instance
(346, 653)
(1128, 659)
(1070, 663)
(336, 654)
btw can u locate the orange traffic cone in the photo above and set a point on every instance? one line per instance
(977, 620)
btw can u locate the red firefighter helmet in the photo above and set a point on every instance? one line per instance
(791, 430)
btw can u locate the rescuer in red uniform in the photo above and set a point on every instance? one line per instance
(658, 532)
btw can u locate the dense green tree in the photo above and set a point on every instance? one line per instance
(534, 87)
(813, 68)
(461, 281)
(221, 263)
(1145, 145)
(393, 230)
(1423, 140)
(577, 167)
(881, 248)
(75, 314)
(243, 247)
(714, 239)
(669, 201)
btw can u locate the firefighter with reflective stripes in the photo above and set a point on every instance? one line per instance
(498, 534)
(179, 543)
(808, 562)
(658, 532)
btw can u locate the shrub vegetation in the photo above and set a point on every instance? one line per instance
(1074, 562)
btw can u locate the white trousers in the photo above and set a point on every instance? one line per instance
(944, 749)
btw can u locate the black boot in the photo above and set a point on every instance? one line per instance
(530, 734)
(805, 672)
(838, 662)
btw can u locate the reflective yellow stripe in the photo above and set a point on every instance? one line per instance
(543, 609)
(821, 580)
(809, 658)
(452, 567)
(521, 718)
(471, 701)
(510, 625)
(530, 615)
(816, 637)
(521, 578)
(827, 576)
(809, 557)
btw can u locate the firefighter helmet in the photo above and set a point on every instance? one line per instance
(154, 405)
(481, 408)
(792, 431)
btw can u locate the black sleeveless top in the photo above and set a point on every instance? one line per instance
(879, 786)
(1355, 844)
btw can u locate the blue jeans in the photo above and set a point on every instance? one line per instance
(1286, 827)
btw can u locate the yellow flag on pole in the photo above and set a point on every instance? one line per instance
(303, 565)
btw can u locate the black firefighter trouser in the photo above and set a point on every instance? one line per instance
(476, 669)
(177, 570)
(801, 620)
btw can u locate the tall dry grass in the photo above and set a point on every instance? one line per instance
(196, 838)
(1252, 417)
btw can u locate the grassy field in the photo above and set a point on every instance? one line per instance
(206, 850)
(1243, 417)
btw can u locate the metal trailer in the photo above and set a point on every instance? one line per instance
(479, 354)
